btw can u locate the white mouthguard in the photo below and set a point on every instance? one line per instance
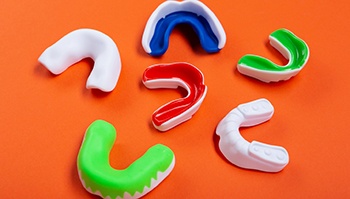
(80, 44)
(254, 155)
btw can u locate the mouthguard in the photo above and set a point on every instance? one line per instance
(99, 178)
(172, 76)
(80, 44)
(155, 39)
(290, 46)
(255, 155)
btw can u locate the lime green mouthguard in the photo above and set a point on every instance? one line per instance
(99, 178)
(290, 46)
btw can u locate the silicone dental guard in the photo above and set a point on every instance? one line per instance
(240, 152)
(80, 44)
(290, 46)
(171, 76)
(99, 178)
(155, 39)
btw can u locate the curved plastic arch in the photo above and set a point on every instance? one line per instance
(290, 46)
(240, 152)
(99, 178)
(172, 76)
(80, 44)
(155, 38)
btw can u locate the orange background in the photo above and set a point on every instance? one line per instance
(43, 117)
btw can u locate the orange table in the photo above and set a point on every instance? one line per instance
(43, 117)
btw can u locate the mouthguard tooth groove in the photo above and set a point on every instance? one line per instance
(155, 38)
(172, 76)
(290, 46)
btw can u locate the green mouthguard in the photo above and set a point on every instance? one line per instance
(99, 178)
(290, 46)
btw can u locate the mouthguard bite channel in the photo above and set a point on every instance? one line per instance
(99, 178)
(240, 152)
(80, 44)
(172, 76)
(290, 46)
(155, 39)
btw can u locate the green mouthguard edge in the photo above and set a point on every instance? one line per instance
(98, 175)
(298, 49)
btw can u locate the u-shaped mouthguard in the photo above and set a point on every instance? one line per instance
(290, 46)
(240, 152)
(155, 39)
(80, 44)
(172, 76)
(99, 178)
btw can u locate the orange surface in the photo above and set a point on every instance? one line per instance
(43, 117)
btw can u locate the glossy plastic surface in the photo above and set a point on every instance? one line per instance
(172, 76)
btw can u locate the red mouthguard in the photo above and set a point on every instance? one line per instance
(172, 76)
